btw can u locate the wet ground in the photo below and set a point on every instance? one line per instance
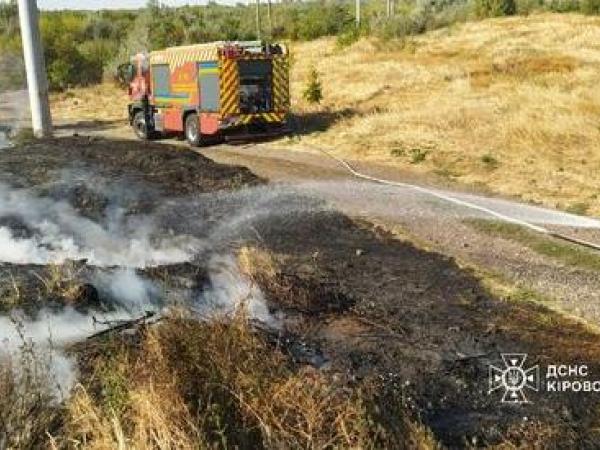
(416, 323)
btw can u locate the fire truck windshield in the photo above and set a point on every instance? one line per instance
(255, 86)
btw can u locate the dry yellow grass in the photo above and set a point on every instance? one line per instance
(256, 263)
(104, 102)
(509, 104)
(215, 385)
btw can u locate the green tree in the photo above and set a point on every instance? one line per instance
(313, 93)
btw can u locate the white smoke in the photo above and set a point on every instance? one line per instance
(48, 335)
(132, 292)
(42, 230)
(51, 332)
(59, 233)
(229, 290)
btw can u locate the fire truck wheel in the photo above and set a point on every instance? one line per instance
(139, 126)
(192, 130)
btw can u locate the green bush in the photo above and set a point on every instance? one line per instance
(526, 7)
(490, 161)
(67, 67)
(494, 8)
(81, 47)
(563, 5)
(347, 38)
(313, 93)
(403, 25)
(590, 6)
(426, 16)
(418, 155)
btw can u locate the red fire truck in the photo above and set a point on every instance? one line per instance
(230, 90)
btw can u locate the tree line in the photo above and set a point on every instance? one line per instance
(83, 47)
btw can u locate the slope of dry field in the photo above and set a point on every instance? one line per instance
(511, 105)
(507, 105)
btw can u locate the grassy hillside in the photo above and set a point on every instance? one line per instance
(509, 104)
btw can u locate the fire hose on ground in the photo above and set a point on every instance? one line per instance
(448, 198)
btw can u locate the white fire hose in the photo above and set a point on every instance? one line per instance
(456, 201)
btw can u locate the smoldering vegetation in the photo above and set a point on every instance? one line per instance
(225, 359)
(84, 217)
(269, 319)
(81, 254)
(92, 246)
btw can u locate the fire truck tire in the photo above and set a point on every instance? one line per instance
(139, 126)
(192, 130)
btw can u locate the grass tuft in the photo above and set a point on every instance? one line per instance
(217, 383)
(569, 254)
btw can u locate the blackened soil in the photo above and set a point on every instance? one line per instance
(420, 327)
(172, 169)
(97, 177)
(426, 331)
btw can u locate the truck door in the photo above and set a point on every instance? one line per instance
(171, 93)
(208, 74)
(209, 86)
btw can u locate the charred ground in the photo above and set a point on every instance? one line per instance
(409, 332)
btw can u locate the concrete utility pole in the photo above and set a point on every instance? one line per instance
(357, 13)
(37, 83)
(269, 19)
(258, 34)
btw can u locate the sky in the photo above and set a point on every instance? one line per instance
(113, 4)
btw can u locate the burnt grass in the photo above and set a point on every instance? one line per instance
(414, 322)
(176, 171)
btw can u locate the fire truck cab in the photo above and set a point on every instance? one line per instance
(227, 90)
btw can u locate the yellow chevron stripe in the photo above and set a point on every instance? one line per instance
(280, 84)
(178, 56)
(229, 85)
(245, 119)
(229, 96)
(228, 82)
(230, 108)
(229, 102)
(267, 117)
